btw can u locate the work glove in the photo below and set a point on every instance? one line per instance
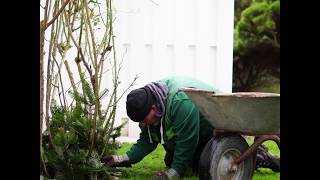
(169, 174)
(117, 161)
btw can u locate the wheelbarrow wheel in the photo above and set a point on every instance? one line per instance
(219, 154)
(205, 159)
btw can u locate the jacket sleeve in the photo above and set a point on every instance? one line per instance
(186, 127)
(142, 148)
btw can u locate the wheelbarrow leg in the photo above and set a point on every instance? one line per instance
(256, 144)
(252, 150)
(263, 158)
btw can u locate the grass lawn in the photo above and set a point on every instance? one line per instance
(154, 162)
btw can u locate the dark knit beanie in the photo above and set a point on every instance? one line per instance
(139, 102)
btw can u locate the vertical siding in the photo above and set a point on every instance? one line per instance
(174, 37)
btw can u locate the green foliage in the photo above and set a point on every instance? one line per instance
(117, 131)
(87, 98)
(257, 25)
(67, 156)
(271, 88)
(240, 5)
(88, 93)
(256, 43)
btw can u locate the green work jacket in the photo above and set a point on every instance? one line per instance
(184, 127)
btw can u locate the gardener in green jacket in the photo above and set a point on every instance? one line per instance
(167, 116)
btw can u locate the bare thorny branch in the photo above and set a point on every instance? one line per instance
(43, 24)
(57, 14)
(66, 15)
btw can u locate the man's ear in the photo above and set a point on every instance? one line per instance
(154, 107)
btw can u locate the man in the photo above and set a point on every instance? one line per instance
(167, 116)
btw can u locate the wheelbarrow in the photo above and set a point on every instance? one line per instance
(235, 115)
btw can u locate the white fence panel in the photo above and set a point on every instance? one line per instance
(174, 37)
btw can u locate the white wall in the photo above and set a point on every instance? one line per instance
(174, 37)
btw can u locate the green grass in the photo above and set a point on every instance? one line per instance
(147, 167)
(154, 163)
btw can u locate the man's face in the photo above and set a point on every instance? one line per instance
(150, 118)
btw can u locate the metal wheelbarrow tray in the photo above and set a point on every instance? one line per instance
(227, 155)
(252, 113)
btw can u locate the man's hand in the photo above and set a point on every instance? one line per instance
(169, 174)
(160, 176)
(116, 161)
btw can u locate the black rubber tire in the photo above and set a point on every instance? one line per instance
(205, 159)
(218, 152)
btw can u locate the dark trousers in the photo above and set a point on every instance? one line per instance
(168, 159)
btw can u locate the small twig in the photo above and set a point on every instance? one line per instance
(59, 73)
(107, 49)
(109, 105)
(73, 98)
(104, 92)
(154, 2)
(87, 41)
(78, 83)
(46, 40)
(58, 13)
(94, 81)
(135, 78)
(60, 98)
(91, 1)
(76, 29)
(79, 48)
(71, 78)
(56, 86)
(91, 35)
(101, 16)
(42, 37)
